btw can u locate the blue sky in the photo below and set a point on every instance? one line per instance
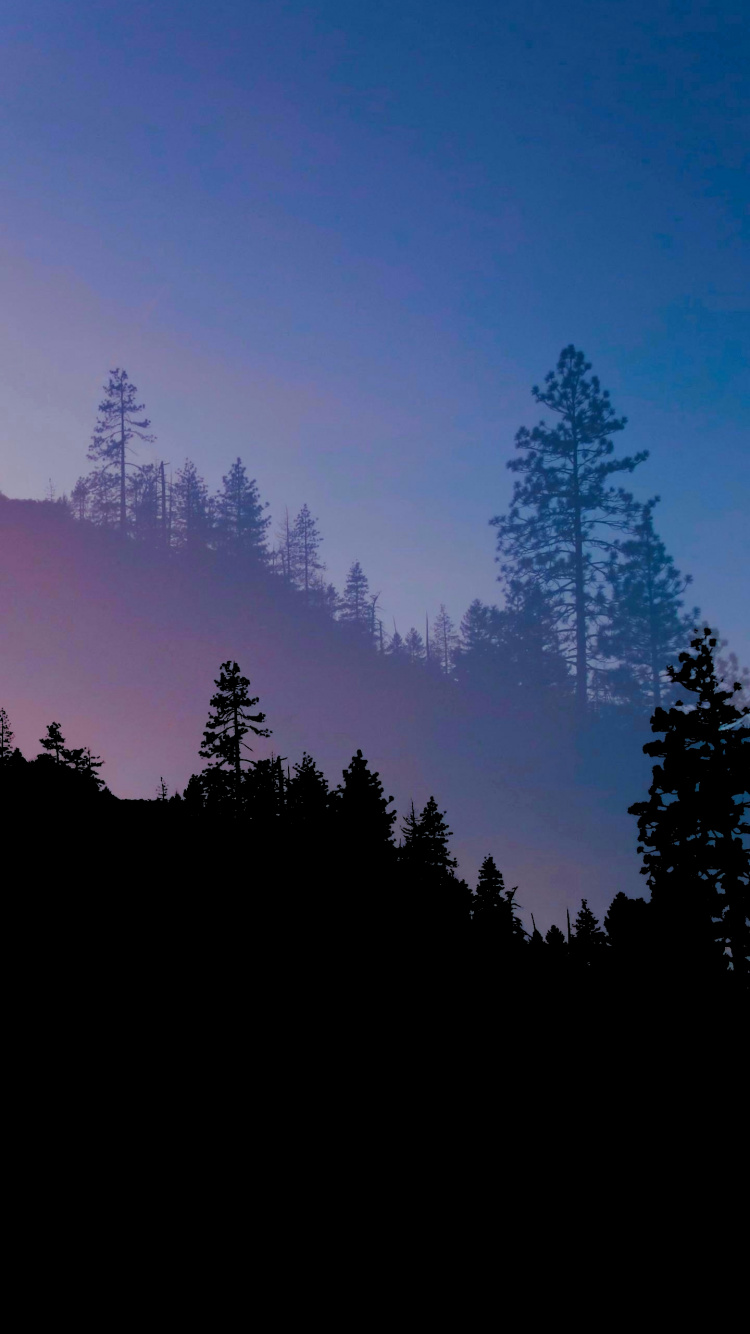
(343, 240)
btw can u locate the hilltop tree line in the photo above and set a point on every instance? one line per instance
(593, 603)
(328, 856)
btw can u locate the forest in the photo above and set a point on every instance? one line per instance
(530, 714)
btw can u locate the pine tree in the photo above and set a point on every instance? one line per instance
(588, 937)
(362, 815)
(286, 552)
(229, 723)
(240, 519)
(445, 640)
(54, 742)
(308, 799)
(307, 540)
(563, 518)
(396, 647)
(424, 849)
(118, 423)
(503, 651)
(555, 939)
(80, 498)
(144, 503)
(693, 831)
(495, 913)
(354, 608)
(645, 625)
(192, 510)
(414, 645)
(6, 737)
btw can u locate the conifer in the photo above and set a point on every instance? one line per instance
(117, 424)
(229, 723)
(240, 519)
(693, 831)
(354, 608)
(563, 520)
(6, 737)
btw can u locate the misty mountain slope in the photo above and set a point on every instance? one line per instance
(122, 650)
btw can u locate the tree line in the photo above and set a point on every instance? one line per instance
(333, 853)
(593, 604)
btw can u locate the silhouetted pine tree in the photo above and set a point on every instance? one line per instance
(364, 849)
(588, 938)
(693, 832)
(495, 914)
(555, 938)
(118, 423)
(228, 724)
(646, 625)
(240, 521)
(563, 519)
(80, 498)
(54, 743)
(627, 923)
(396, 647)
(6, 737)
(428, 871)
(144, 506)
(308, 799)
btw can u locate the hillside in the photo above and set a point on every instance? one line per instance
(121, 648)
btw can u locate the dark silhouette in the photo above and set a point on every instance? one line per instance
(228, 724)
(693, 832)
(240, 519)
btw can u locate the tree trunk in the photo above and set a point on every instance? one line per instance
(123, 511)
(580, 596)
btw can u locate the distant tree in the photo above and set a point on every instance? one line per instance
(117, 424)
(354, 608)
(307, 540)
(229, 722)
(503, 651)
(144, 502)
(80, 498)
(445, 640)
(324, 596)
(162, 791)
(396, 647)
(564, 518)
(308, 799)
(286, 553)
(192, 510)
(240, 519)
(588, 937)
(627, 923)
(54, 742)
(645, 625)
(414, 645)
(555, 939)
(693, 831)
(425, 842)
(6, 737)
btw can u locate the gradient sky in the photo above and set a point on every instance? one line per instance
(343, 240)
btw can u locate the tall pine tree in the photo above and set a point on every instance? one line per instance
(564, 516)
(118, 423)
(6, 737)
(354, 607)
(229, 723)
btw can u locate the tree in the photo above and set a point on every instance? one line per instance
(445, 640)
(396, 647)
(54, 742)
(354, 608)
(495, 913)
(692, 830)
(414, 645)
(144, 496)
(80, 498)
(240, 519)
(6, 737)
(307, 540)
(229, 723)
(192, 510)
(118, 423)
(555, 939)
(588, 937)
(424, 849)
(645, 624)
(365, 825)
(503, 651)
(563, 519)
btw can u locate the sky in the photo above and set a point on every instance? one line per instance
(343, 241)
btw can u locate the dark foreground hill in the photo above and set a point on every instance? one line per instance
(122, 647)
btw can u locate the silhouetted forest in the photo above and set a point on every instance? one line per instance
(593, 604)
(329, 867)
